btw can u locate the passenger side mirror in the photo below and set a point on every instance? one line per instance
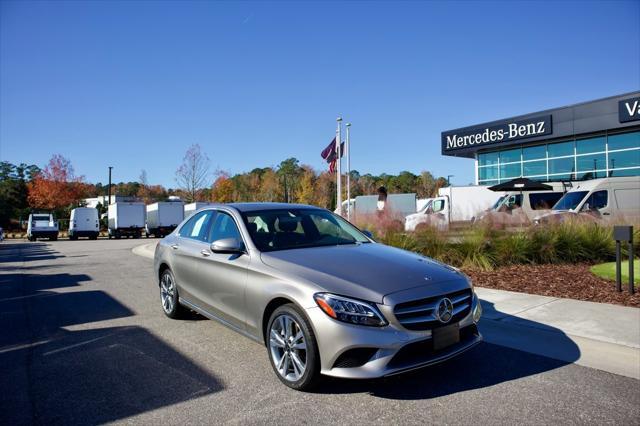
(367, 233)
(227, 245)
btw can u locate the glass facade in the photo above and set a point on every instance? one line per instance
(582, 158)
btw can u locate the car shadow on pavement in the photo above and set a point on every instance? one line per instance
(26, 252)
(483, 366)
(57, 367)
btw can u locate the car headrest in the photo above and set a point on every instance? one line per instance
(287, 224)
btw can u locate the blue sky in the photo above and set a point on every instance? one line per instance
(132, 85)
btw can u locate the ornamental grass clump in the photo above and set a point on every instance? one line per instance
(475, 250)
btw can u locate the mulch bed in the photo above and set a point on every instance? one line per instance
(573, 281)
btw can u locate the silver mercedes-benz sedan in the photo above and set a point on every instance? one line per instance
(320, 294)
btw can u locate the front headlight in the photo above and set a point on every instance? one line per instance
(349, 310)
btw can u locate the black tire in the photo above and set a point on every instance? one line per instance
(94, 237)
(53, 238)
(311, 375)
(176, 311)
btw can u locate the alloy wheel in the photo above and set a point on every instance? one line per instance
(288, 348)
(167, 293)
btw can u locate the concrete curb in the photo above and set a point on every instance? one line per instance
(145, 250)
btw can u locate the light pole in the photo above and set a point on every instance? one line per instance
(109, 188)
(449, 179)
(339, 169)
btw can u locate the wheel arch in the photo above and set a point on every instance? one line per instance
(268, 311)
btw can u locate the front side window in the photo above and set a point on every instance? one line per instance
(223, 227)
(197, 227)
(438, 206)
(597, 200)
(273, 230)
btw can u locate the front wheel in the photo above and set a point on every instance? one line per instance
(292, 347)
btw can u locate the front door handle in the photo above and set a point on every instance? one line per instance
(205, 252)
(606, 213)
(174, 246)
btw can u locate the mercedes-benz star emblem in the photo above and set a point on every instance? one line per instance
(444, 310)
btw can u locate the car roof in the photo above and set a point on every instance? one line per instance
(250, 207)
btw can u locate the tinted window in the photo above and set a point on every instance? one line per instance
(197, 227)
(585, 146)
(510, 156)
(560, 149)
(488, 159)
(597, 200)
(626, 140)
(544, 201)
(570, 200)
(534, 152)
(223, 227)
(273, 230)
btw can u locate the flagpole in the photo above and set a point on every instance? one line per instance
(339, 168)
(347, 147)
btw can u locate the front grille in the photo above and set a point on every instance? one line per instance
(354, 357)
(420, 314)
(419, 352)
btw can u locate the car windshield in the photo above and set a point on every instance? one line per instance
(570, 200)
(273, 230)
(426, 206)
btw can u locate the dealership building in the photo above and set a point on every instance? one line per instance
(589, 140)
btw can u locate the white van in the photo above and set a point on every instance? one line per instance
(84, 223)
(524, 206)
(608, 198)
(126, 219)
(163, 218)
(42, 225)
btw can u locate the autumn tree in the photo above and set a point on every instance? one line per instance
(56, 186)
(222, 190)
(305, 190)
(193, 173)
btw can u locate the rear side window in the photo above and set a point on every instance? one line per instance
(544, 201)
(197, 227)
(597, 200)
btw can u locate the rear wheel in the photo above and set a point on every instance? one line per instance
(292, 348)
(169, 296)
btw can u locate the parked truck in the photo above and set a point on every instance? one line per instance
(396, 205)
(163, 217)
(126, 219)
(42, 225)
(454, 205)
(84, 223)
(191, 208)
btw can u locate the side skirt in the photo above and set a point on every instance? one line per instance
(213, 317)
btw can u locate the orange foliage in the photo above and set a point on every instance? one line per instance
(56, 186)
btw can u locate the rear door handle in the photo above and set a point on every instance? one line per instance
(174, 246)
(205, 252)
(606, 213)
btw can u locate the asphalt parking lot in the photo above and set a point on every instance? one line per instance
(84, 341)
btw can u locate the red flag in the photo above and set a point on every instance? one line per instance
(328, 150)
(332, 166)
(332, 154)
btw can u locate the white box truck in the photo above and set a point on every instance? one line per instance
(126, 219)
(42, 225)
(84, 223)
(454, 205)
(163, 217)
(191, 208)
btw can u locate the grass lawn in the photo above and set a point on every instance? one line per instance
(608, 271)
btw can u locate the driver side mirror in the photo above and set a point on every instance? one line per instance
(367, 233)
(227, 245)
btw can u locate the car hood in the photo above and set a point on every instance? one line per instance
(364, 271)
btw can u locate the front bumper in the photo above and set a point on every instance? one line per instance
(386, 350)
